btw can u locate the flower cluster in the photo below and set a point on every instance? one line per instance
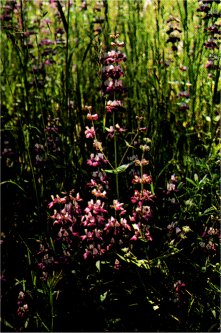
(210, 239)
(23, 309)
(172, 184)
(173, 32)
(100, 227)
(179, 287)
(52, 143)
(10, 7)
(145, 179)
(112, 72)
(213, 31)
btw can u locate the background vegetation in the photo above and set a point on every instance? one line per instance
(149, 260)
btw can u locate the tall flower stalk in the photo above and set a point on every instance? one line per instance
(112, 88)
(105, 225)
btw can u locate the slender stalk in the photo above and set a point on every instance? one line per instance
(67, 69)
(27, 144)
(52, 309)
(43, 324)
(115, 157)
(141, 172)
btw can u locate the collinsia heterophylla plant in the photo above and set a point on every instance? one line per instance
(103, 226)
(121, 130)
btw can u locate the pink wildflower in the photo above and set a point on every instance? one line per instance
(89, 132)
(113, 105)
(178, 285)
(110, 132)
(98, 193)
(118, 207)
(120, 129)
(92, 116)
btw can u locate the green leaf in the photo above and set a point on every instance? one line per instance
(103, 296)
(202, 181)
(196, 178)
(7, 324)
(208, 119)
(156, 307)
(98, 265)
(176, 82)
(186, 228)
(87, 50)
(65, 24)
(40, 291)
(214, 313)
(104, 121)
(174, 317)
(26, 323)
(217, 118)
(191, 181)
(11, 182)
(152, 188)
(119, 169)
(128, 145)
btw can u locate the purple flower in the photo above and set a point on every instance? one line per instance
(210, 64)
(210, 44)
(213, 29)
(183, 106)
(114, 72)
(210, 15)
(114, 57)
(46, 42)
(204, 8)
(184, 94)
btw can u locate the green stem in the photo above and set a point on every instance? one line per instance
(67, 64)
(52, 309)
(115, 157)
(141, 172)
(42, 322)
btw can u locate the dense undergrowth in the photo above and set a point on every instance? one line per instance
(110, 160)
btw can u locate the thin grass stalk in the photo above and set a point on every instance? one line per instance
(24, 64)
(67, 67)
(26, 140)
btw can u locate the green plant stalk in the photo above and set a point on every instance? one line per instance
(42, 322)
(115, 157)
(52, 309)
(24, 64)
(26, 140)
(67, 64)
(141, 172)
